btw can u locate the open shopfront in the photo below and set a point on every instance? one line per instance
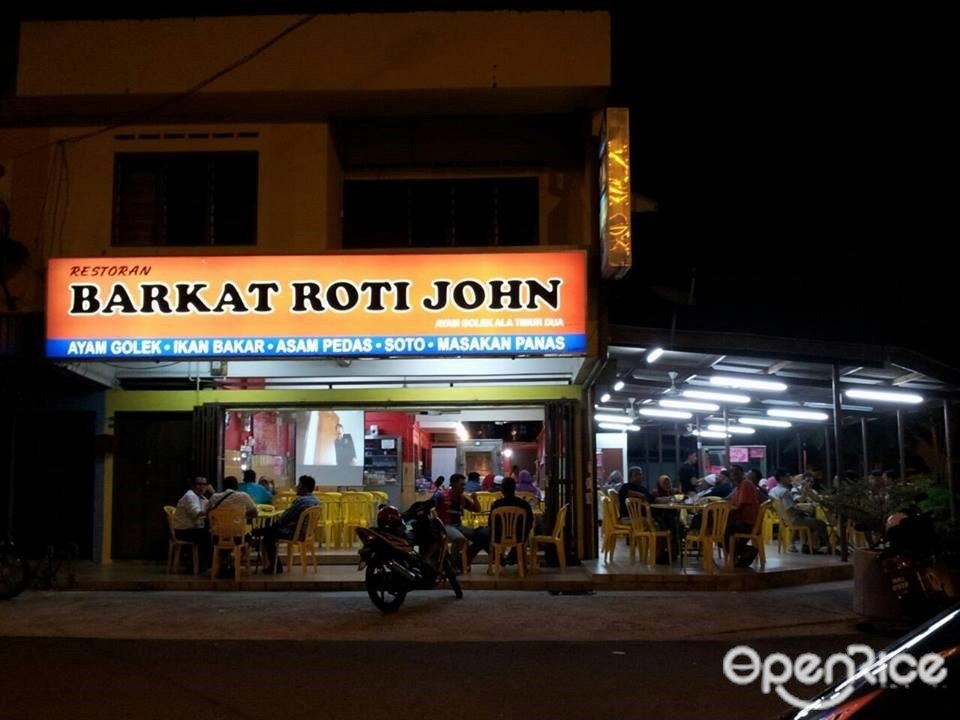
(280, 365)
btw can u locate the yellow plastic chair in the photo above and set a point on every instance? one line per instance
(612, 528)
(643, 531)
(355, 509)
(533, 500)
(555, 538)
(788, 531)
(833, 534)
(304, 540)
(228, 532)
(709, 534)
(755, 536)
(507, 531)
(330, 527)
(176, 545)
(485, 500)
(284, 499)
(771, 522)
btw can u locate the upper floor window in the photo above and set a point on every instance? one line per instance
(440, 213)
(185, 198)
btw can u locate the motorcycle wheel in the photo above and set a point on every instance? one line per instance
(386, 598)
(451, 574)
(13, 575)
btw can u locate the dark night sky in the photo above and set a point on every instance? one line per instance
(800, 158)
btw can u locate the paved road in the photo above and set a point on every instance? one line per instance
(491, 655)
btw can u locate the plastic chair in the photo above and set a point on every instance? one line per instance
(788, 531)
(755, 536)
(304, 540)
(176, 545)
(710, 533)
(644, 530)
(284, 499)
(555, 538)
(228, 532)
(507, 531)
(330, 527)
(612, 528)
(355, 509)
(485, 500)
(771, 522)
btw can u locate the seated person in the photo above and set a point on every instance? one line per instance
(451, 504)
(754, 477)
(633, 487)
(664, 488)
(232, 496)
(717, 485)
(743, 515)
(783, 493)
(509, 499)
(473, 482)
(260, 494)
(190, 519)
(286, 524)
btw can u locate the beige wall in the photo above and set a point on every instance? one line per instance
(357, 52)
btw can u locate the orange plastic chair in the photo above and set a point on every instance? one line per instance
(176, 545)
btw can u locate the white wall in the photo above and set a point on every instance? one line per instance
(443, 461)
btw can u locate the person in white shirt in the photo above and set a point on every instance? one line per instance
(783, 493)
(190, 519)
(233, 498)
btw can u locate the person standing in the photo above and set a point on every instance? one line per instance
(689, 473)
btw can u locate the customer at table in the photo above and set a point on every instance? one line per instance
(526, 483)
(664, 488)
(718, 485)
(250, 486)
(232, 497)
(509, 488)
(743, 515)
(487, 484)
(754, 477)
(190, 519)
(473, 482)
(286, 524)
(633, 487)
(783, 493)
(451, 504)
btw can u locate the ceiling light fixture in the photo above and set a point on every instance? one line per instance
(885, 396)
(798, 414)
(654, 354)
(690, 405)
(747, 383)
(677, 414)
(618, 386)
(717, 396)
(733, 429)
(765, 422)
(607, 418)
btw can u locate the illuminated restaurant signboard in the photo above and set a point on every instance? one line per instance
(615, 201)
(437, 305)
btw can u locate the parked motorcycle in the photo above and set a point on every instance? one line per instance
(403, 553)
(921, 572)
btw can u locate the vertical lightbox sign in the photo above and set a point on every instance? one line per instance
(615, 234)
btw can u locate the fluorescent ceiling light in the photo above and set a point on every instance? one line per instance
(884, 396)
(605, 397)
(615, 426)
(765, 422)
(747, 383)
(735, 429)
(798, 414)
(654, 354)
(462, 432)
(690, 405)
(718, 396)
(829, 406)
(618, 386)
(654, 412)
(710, 434)
(607, 418)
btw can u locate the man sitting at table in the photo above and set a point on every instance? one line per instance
(481, 537)
(746, 507)
(783, 493)
(231, 497)
(286, 524)
(260, 494)
(633, 487)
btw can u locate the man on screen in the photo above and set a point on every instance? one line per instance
(343, 445)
